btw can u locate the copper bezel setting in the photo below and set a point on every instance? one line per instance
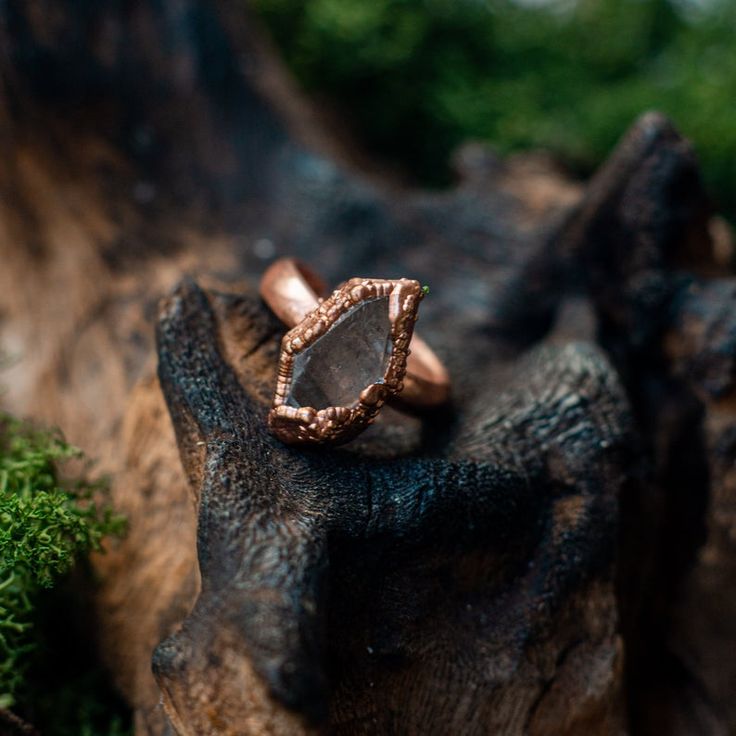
(338, 424)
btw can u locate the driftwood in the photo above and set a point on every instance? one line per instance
(552, 554)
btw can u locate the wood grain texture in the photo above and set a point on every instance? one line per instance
(531, 560)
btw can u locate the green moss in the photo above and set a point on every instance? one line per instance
(47, 522)
(419, 77)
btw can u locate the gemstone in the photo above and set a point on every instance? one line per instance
(353, 354)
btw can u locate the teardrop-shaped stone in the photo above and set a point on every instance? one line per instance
(353, 354)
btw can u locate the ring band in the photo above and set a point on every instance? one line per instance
(297, 295)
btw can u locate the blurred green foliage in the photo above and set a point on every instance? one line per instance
(47, 523)
(417, 77)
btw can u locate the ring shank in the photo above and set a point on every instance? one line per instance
(292, 290)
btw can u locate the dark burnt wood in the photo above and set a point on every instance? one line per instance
(490, 568)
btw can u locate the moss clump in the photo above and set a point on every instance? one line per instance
(46, 523)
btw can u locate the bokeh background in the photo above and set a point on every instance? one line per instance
(414, 78)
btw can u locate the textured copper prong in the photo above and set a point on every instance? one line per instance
(337, 424)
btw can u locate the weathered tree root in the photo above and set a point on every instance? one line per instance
(377, 571)
(553, 554)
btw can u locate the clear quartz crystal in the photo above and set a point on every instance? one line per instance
(353, 354)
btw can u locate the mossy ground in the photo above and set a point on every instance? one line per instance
(49, 522)
(419, 77)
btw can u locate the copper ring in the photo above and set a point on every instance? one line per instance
(298, 297)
